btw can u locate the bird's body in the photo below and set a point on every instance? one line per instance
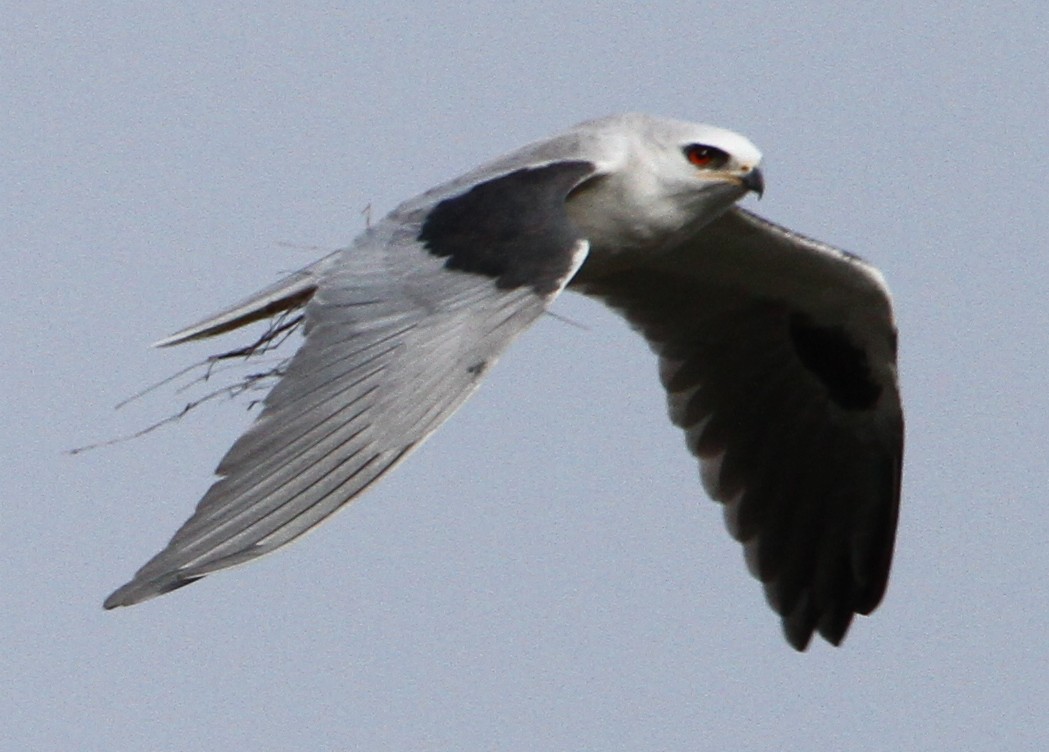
(777, 352)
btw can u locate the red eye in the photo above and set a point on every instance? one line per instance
(700, 155)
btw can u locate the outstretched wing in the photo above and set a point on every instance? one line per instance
(778, 354)
(400, 328)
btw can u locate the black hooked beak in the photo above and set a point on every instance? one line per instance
(754, 181)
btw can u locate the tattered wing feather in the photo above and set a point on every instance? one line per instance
(400, 329)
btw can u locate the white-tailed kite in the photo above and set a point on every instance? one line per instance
(778, 354)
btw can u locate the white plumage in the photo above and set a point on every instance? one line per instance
(778, 354)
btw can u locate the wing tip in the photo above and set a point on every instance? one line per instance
(138, 591)
(831, 623)
(287, 295)
(185, 335)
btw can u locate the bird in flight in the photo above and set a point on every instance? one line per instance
(777, 353)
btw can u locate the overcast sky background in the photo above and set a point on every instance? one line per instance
(546, 572)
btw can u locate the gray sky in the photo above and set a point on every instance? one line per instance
(546, 573)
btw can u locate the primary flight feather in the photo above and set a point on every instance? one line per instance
(778, 354)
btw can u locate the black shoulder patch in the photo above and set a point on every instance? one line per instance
(513, 228)
(841, 366)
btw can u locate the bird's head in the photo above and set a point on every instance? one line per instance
(666, 176)
(703, 163)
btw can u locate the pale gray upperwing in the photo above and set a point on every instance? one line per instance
(400, 328)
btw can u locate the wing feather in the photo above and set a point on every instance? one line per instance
(778, 354)
(400, 329)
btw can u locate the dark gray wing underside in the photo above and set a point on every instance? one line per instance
(795, 420)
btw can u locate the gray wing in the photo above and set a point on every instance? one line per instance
(399, 328)
(778, 354)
